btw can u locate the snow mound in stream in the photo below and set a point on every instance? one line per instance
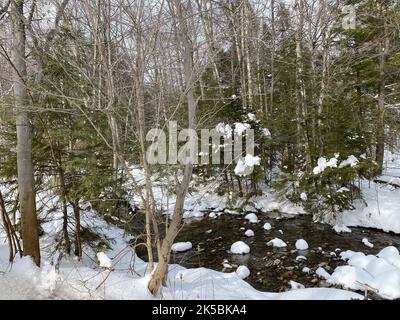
(240, 247)
(267, 226)
(276, 242)
(243, 272)
(249, 233)
(252, 218)
(181, 246)
(301, 244)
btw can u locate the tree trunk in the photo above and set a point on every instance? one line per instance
(77, 216)
(26, 180)
(161, 272)
(380, 137)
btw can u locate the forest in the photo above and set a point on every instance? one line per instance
(199, 149)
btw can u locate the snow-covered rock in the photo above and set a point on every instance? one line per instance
(367, 243)
(340, 229)
(306, 270)
(322, 273)
(240, 247)
(252, 218)
(301, 258)
(295, 285)
(181, 246)
(243, 272)
(226, 264)
(276, 242)
(267, 226)
(301, 244)
(249, 233)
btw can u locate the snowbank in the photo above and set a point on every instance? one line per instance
(380, 273)
(381, 209)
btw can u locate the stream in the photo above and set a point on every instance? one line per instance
(272, 268)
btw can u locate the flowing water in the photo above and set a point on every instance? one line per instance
(272, 268)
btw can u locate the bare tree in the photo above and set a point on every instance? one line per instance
(182, 12)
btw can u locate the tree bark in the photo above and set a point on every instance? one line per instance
(26, 180)
(161, 272)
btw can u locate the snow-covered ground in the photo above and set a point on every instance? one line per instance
(204, 197)
(381, 209)
(120, 274)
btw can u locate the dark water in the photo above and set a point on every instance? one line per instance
(272, 268)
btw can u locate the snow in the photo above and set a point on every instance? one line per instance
(241, 127)
(340, 229)
(245, 166)
(226, 264)
(322, 273)
(77, 282)
(266, 133)
(301, 258)
(380, 209)
(351, 161)
(224, 129)
(295, 285)
(104, 261)
(380, 273)
(306, 270)
(249, 233)
(367, 243)
(303, 196)
(267, 226)
(181, 246)
(243, 272)
(273, 202)
(301, 244)
(390, 254)
(80, 280)
(240, 247)
(276, 242)
(252, 218)
(323, 164)
(87, 279)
